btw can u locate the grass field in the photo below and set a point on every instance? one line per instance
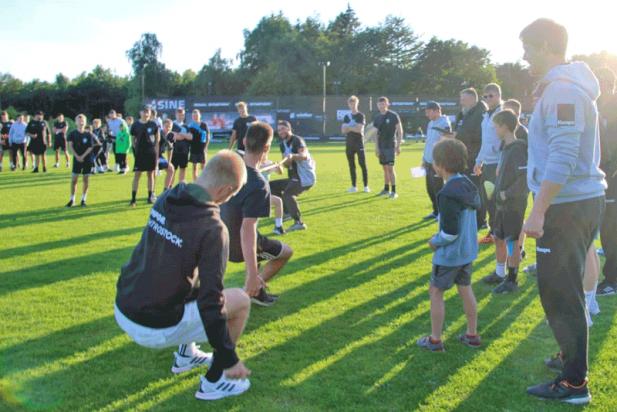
(342, 337)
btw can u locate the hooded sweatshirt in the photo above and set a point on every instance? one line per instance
(456, 241)
(469, 130)
(491, 144)
(512, 178)
(564, 140)
(182, 256)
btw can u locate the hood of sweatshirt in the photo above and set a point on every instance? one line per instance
(577, 73)
(186, 202)
(461, 189)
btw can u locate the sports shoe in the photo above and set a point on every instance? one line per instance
(352, 189)
(561, 390)
(184, 363)
(152, 199)
(35, 170)
(68, 164)
(263, 299)
(554, 363)
(383, 193)
(279, 230)
(132, 204)
(600, 251)
(486, 240)
(297, 226)
(507, 286)
(367, 189)
(44, 170)
(430, 216)
(83, 203)
(393, 195)
(56, 165)
(222, 388)
(592, 307)
(606, 289)
(492, 279)
(69, 204)
(471, 341)
(427, 343)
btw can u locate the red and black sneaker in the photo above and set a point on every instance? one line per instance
(563, 391)
(473, 341)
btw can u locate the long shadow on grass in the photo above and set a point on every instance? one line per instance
(338, 206)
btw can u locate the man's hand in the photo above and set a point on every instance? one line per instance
(477, 170)
(431, 245)
(238, 371)
(502, 195)
(252, 285)
(534, 225)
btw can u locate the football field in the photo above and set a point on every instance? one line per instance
(353, 301)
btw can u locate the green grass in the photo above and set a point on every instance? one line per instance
(353, 302)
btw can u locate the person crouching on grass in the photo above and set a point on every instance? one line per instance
(81, 144)
(455, 245)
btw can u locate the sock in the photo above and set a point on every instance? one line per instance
(187, 349)
(386, 188)
(149, 194)
(512, 274)
(393, 188)
(500, 269)
(214, 372)
(133, 195)
(72, 198)
(83, 197)
(278, 221)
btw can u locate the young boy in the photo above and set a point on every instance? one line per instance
(121, 147)
(267, 168)
(146, 137)
(60, 130)
(199, 143)
(81, 144)
(455, 245)
(511, 194)
(166, 146)
(100, 152)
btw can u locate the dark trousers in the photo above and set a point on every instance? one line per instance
(489, 173)
(21, 148)
(608, 231)
(289, 189)
(351, 152)
(121, 160)
(569, 229)
(434, 184)
(481, 212)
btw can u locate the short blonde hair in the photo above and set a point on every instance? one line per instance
(353, 98)
(81, 115)
(225, 168)
(241, 104)
(96, 121)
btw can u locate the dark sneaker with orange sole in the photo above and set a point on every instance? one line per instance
(561, 390)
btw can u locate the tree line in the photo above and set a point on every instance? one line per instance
(281, 57)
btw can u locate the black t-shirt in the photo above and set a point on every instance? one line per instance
(6, 127)
(252, 201)
(386, 128)
(292, 146)
(199, 142)
(81, 141)
(181, 146)
(358, 118)
(145, 133)
(36, 127)
(521, 133)
(241, 125)
(166, 143)
(59, 125)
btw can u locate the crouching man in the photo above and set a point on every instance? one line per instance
(170, 293)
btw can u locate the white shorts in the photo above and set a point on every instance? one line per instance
(190, 329)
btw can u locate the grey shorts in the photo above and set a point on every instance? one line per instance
(386, 156)
(444, 277)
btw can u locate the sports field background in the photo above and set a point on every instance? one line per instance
(342, 336)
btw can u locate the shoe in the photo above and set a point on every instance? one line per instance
(56, 165)
(425, 342)
(523, 254)
(133, 204)
(352, 189)
(186, 363)
(272, 295)
(83, 203)
(69, 204)
(600, 251)
(393, 195)
(486, 240)
(279, 230)
(492, 279)
(44, 170)
(483, 226)
(561, 390)
(606, 289)
(109, 170)
(263, 299)
(383, 193)
(152, 199)
(222, 388)
(367, 189)
(531, 269)
(554, 363)
(35, 170)
(506, 286)
(471, 341)
(13, 168)
(297, 226)
(430, 216)
(68, 164)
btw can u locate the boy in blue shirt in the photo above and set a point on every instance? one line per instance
(455, 245)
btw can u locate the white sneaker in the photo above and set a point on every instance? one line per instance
(367, 189)
(593, 307)
(393, 195)
(352, 189)
(222, 388)
(186, 363)
(57, 165)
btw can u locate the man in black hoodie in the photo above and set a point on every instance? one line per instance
(171, 290)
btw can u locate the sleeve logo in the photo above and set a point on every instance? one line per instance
(565, 115)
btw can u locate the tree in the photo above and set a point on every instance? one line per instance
(144, 52)
(515, 80)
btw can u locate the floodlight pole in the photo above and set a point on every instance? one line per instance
(324, 66)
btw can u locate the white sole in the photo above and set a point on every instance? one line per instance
(217, 395)
(260, 303)
(578, 401)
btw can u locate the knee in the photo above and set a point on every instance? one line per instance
(287, 252)
(236, 300)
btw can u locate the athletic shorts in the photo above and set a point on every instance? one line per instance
(386, 157)
(5, 145)
(508, 224)
(354, 144)
(59, 143)
(82, 168)
(199, 157)
(180, 160)
(37, 146)
(190, 329)
(145, 162)
(163, 163)
(267, 249)
(444, 277)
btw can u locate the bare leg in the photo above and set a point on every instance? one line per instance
(592, 270)
(237, 308)
(169, 177)
(277, 203)
(57, 155)
(86, 181)
(182, 175)
(275, 265)
(136, 181)
(194, 171)
(471, 308)
(438, 312)
(73, 185)
(501, 251)
(392, 175)
(151, 181)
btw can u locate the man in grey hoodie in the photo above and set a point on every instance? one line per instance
(563, 172)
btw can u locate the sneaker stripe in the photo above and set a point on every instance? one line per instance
(220, 385)
(231, 388)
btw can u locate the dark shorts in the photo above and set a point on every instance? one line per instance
(267, 249)
(145, 162)
(386, 156)
(508, 224)
(59, 143)
(444, 277)
(5, 145)
(83, 168)
(354, 145)
(199, 157)
(180, 160)
(37, 146)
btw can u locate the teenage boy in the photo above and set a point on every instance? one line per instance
(240, 126)
(60, 132)
(182, 145)
(18, 142)
(5, 146)
(37, 130)
(100, 152)
(389, 138)
(146, 136)
(455, 245)
(199, 143)
(353, 129)
(81, 145)
(514, 105)
(511, 194)
(166, 147)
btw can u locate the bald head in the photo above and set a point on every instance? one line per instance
(223, 176)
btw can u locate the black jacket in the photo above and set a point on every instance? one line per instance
(512, 177)
(607, 107)
(469, 131)
(182, 255)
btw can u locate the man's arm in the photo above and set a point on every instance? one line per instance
(301, 155)
(248, 241)
(232, 139)
(398, 135)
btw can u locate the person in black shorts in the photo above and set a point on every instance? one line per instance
(166, 146)
(37, 130)
(100, 151)
(241, 125)
(389, 138)
(146, 136)
(199, 143)
(81, 144)
(181, 146)
(241, 214)
(60, 132)
(5, 128)
(353, 129)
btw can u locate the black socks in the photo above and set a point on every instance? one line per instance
(512, 274)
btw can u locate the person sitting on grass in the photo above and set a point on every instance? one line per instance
(171, 293)
(81, 145)
(455, 245)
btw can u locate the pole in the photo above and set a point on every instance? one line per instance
(143, 85)
(323, 109)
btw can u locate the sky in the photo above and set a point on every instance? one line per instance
(43, 38)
